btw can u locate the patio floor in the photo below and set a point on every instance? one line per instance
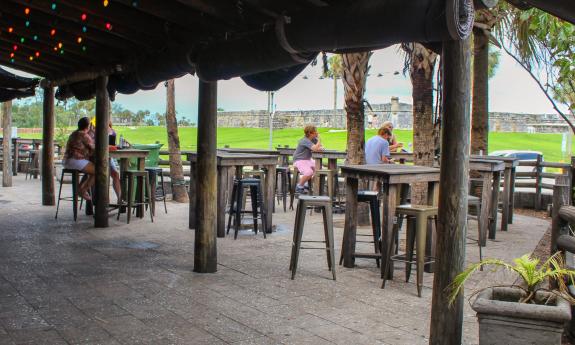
(68, 283)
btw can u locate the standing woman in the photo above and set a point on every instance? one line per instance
(394, 146)
(114, 168)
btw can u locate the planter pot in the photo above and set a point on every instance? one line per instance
(503, 321)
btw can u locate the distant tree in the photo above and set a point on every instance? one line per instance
(220, 109)
(335, 72)
(179, 192)
(160, 119)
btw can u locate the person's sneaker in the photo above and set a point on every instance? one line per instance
(299, 189)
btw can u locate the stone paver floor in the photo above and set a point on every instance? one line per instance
(68, 283)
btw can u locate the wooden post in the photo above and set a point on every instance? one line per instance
(561, 197)
(205, 249)
(49, 120)
(538, 178)
(447, 320)
(6, 141)
(101, 154)
(572, 174)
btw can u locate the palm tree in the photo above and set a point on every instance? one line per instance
(355, 68)
(421, 63)
(179, 192)
(335, 72)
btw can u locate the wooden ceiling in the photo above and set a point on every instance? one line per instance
(98, 34)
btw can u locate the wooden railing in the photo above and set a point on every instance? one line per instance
(562, 215)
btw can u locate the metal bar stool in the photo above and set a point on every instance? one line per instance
(283, 175)
(310, 201)
(330, 177)
(237, 202)
(421, 214)
(33, 169)
(75, 175)
(143, 196)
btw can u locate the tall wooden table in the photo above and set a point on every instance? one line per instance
(391, 176)
(230, 164)
(490, 171)
(508, 187)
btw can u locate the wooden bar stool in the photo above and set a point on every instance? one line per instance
(154, 174)
(283, 179)
(311, 201)
(143, 196)
(237, 204)
(421, 214)
(75, 175)
(330, 177)
(372, 198)
(33, 169)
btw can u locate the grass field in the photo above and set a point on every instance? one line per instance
(548, 144)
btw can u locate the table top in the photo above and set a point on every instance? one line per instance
(249, 150)
(128, 153)
(392, 173)
(235, 159)
(486, 165)
(329, 154)
(510, 162)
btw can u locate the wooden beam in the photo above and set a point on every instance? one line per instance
(205, 249)
(101, 154)
(447, 320)
(49, 120)
(90, 74)
(6, 143)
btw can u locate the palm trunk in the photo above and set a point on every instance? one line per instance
(421, 73)
(354, 79)
(179, 192)
(480, 105)
(335, 116)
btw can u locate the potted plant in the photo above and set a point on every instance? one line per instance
(521, 314)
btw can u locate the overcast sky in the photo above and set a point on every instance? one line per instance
(511, 90)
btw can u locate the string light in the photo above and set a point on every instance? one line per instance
(53, 7)
(62, 51)
(84, 29)
(79, 40)
(12, 60)
(31, 58)
(37, 54)
(83, 16)
(52, 32)
(55, 49)
(11, 55)
(27, 23)
(108, 26)
(26, 11)
(106, 3)
(60, 44)
(35, 37)
(84, 48)
(22, 40)
(10, 29)
(15, 47)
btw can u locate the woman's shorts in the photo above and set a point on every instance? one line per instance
(114, 165)
(77, 164)
(305, 167)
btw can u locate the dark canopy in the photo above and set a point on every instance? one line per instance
(13, 86)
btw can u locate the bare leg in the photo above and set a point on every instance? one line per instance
(116, 184)
(303, 179)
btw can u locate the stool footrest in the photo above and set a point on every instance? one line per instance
(403, 258)
(367, 255)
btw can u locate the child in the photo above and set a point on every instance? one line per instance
(302, 156)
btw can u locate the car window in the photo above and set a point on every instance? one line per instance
(527, 156)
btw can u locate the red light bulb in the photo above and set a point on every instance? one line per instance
(52, 32)
(37, 54)
(109, 26)
(11, 55)
(10, 29)
(15, 47)
(84, 16)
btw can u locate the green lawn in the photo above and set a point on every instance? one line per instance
(548, 144)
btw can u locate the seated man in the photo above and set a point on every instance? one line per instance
(79, 150)
(302, 156)
(377, 148)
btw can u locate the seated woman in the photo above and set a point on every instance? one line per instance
(394, 146)
(79, 150)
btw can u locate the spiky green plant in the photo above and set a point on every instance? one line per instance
(529, 270)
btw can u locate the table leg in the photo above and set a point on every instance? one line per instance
(511, 197)
(269, 194)
(432, 199)
(192, 195)
(350, 227)
(485, 206)
(387, 240)
(140, 188)
(15, 157)
(494, 204)
(506, 199)
(316, 179)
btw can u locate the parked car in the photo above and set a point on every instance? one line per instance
(524, 156)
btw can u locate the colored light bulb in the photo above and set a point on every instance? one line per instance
(31, 58)
(27, 23)
(15, 47)
(109, 26)
(12, 60)
(62, 51)
(37, 54)
(22, 39)
(35, 37)
(83, 16)
(59, 44)
(79, 39)
(84, 48)
(26, 11)
(106, 3)
(55, 49)
(10, 29)
(11, 55)
(84, 29)
(52, 32)
(53, 6)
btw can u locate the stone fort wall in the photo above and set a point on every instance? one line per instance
(398, 113)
